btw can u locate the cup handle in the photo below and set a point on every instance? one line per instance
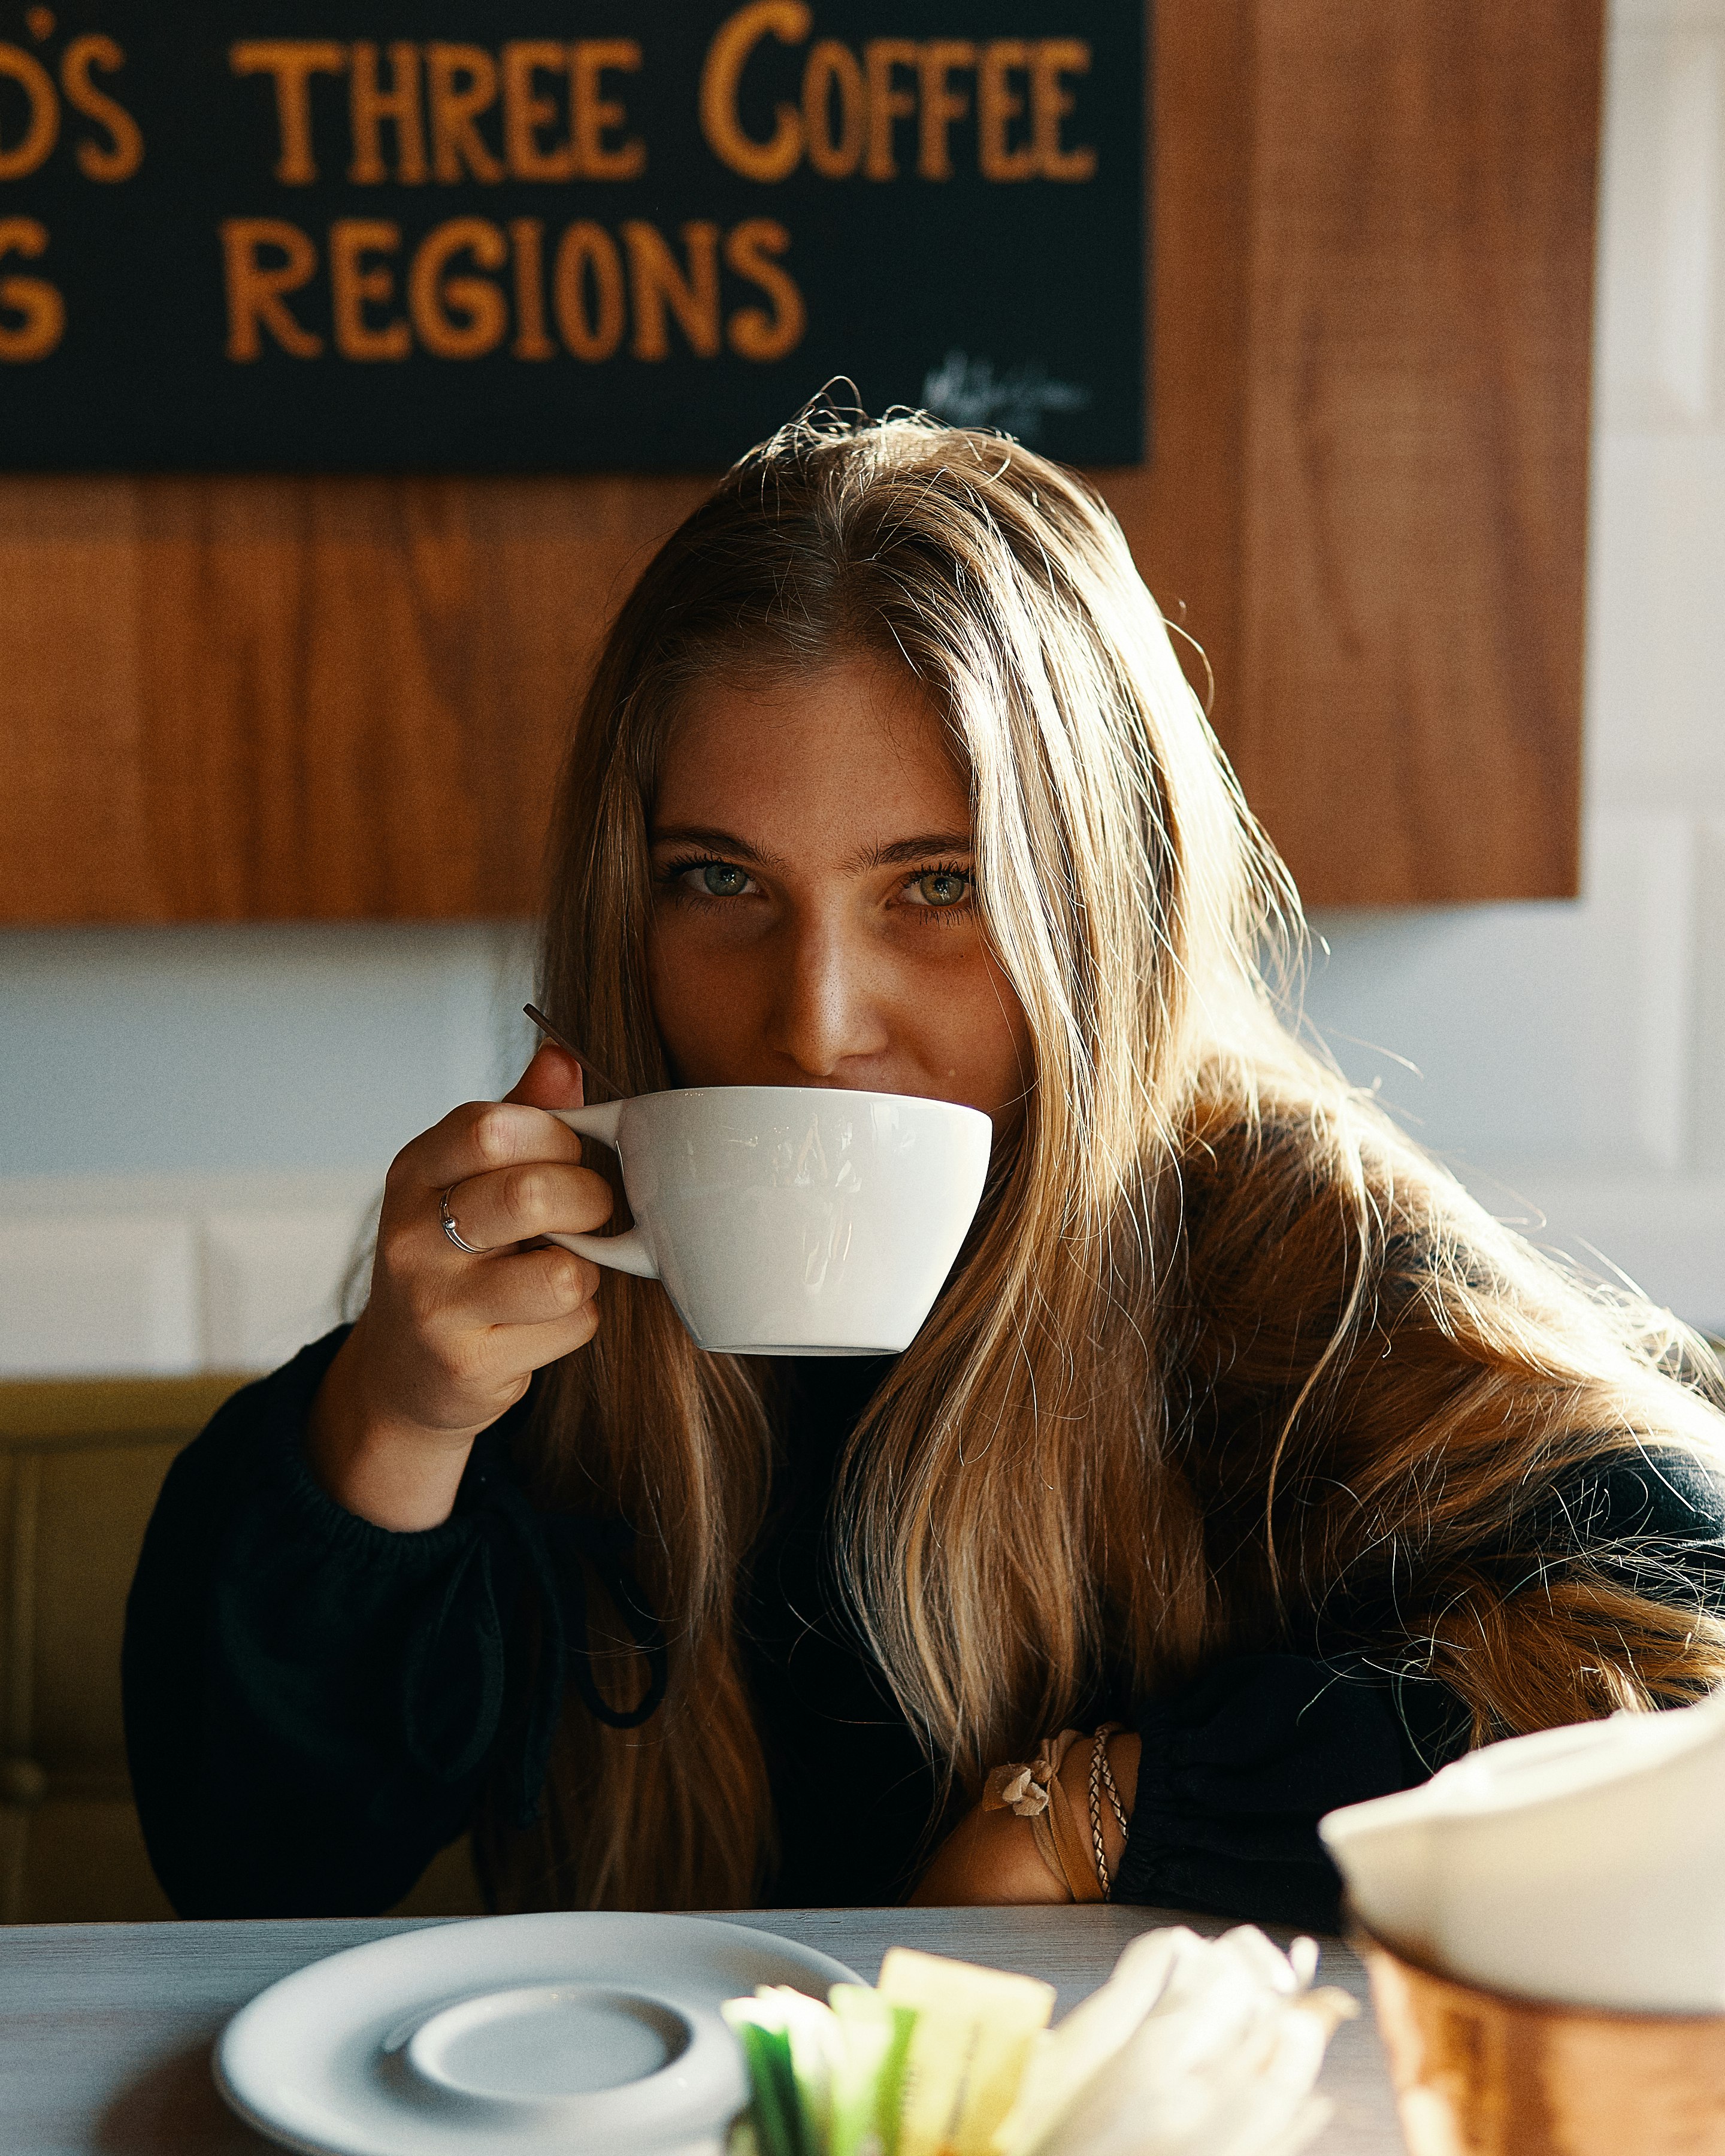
(598, 1121)
(628, 1252)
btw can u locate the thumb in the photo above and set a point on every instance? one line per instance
(552, 1079)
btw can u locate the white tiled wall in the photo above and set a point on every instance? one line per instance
(272, 1275)
(165, 1274)
(1570, 1060)
(1706, 1070)
(197, 1122)
(1556, 1034)
(95, 1294)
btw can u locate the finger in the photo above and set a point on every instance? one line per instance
(535, 1346)
(515, 1205)
(524, 1289)
(552, 1079)
(492, 1359)
(474, 1139)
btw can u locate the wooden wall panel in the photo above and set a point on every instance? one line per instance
(255, 698)
(1407, 712)
(71, 717)
(276, 698)
(1184, 511)
(367, 722)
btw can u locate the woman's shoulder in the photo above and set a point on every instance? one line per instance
(1650, 1496)
(246, 1480)
(254, 1426)
(1251, 1169)
(1269, 1215)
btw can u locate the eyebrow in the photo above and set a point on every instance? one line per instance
(903, 851)
(899, 853)
(726, 843)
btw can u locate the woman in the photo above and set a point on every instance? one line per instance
(1237, 1422)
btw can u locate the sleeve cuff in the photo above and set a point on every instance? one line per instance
(278, 1408)
(1235, 1772)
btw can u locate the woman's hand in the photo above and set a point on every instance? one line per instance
(992, 1856)
(448, 1342)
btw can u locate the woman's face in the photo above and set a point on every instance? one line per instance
(814, 920)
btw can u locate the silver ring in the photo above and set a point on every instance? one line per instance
(453, 1232)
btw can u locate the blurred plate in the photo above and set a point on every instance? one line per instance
(524, 2035)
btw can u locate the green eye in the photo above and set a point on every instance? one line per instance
(719, 880)
(944, 887)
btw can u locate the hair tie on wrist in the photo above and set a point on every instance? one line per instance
(1023, 1789)
(1036, 1792)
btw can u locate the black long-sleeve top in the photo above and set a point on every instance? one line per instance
(313, 1704)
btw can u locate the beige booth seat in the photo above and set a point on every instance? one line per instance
(80, 1463)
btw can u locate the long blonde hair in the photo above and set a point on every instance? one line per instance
(1226, 1356)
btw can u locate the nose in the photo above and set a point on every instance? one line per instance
(825, 1012)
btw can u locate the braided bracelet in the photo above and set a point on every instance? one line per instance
(1102, 1776)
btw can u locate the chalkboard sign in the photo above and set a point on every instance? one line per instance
(396, 235)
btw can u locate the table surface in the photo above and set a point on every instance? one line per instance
(105, 2028)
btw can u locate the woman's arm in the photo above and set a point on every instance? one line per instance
(451, 1335)
(1223, 1784)
(992, 1855)
(321, 1652)
(312, 1703)
(1231, 1772)
(1238, 1766)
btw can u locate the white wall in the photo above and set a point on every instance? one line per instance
(195, 1120)
(1570, 1059)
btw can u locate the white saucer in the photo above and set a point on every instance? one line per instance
(524, 2035)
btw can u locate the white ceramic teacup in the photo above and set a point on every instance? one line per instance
(791, 1219)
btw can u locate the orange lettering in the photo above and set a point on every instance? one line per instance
(1051, 101)
(660, 281)
(352, 284)
(459, 317)
(43, 131)
(583, 247)
(997, 104)
(941, 107)
(126, 141)
(525, 112)
(881, 56)
(593, 115)
(293, 62)
(526, 238)
(255, 293)
(40, 304)
(833, 66)
(370, 104)
(463, 85)
(749, 250)
(721, 77)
